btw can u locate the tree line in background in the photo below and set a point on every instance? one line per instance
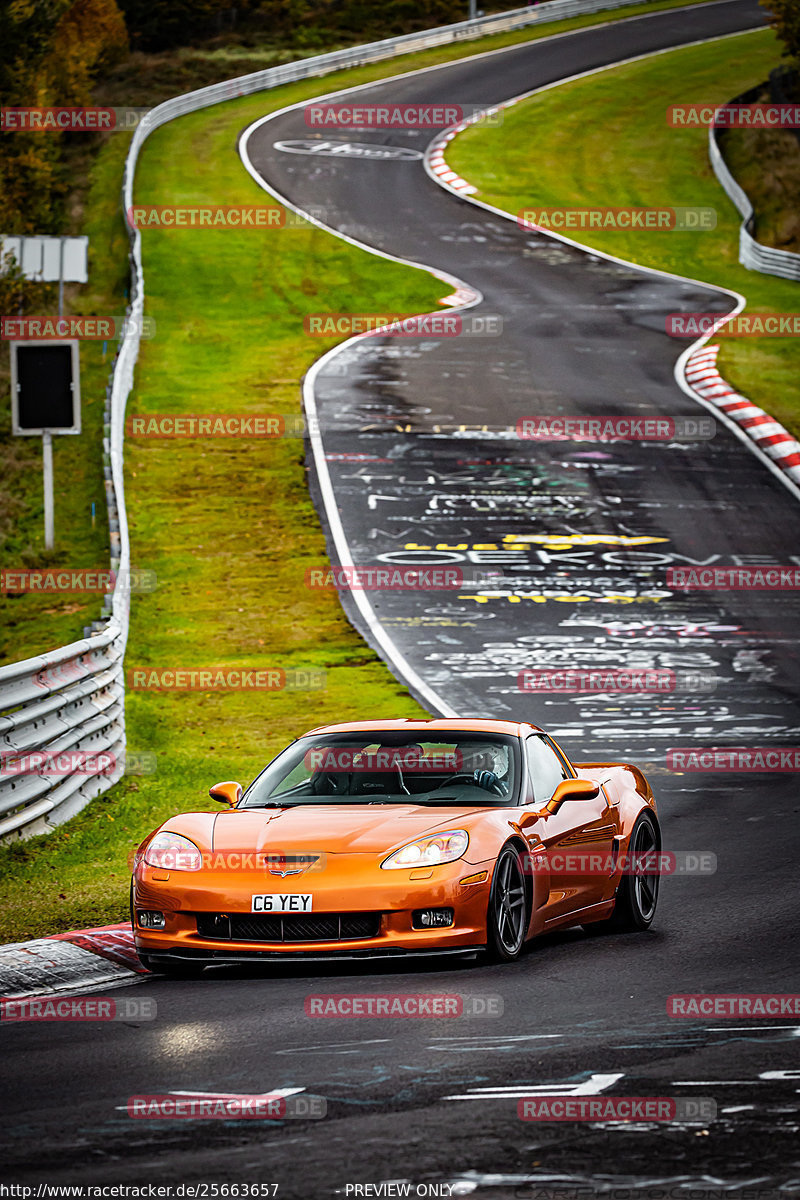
(784, 17)
(53, 52)
(163, 24)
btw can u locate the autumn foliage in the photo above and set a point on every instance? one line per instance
(51, 53)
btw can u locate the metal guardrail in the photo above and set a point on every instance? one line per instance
(73, 698)
(752, 254)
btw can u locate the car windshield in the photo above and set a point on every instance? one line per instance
(391, 767)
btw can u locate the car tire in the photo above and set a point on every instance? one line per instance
(507, 913)
(637, 895)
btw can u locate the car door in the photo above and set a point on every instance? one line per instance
(579, 831)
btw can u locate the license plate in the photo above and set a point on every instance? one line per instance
(275, 902)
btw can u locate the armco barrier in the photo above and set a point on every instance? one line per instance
(752, 254)
(73, 698)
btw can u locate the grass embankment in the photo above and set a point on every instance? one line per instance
(766, 163)
(228, 526)
(30, 624)
(604, 141)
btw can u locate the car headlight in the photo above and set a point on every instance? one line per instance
(172, 852)
(429, 851)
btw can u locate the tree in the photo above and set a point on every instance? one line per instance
(162, 24)
(90, 36)
(50, 54)
(785, 20)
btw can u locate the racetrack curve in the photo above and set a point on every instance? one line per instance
(405, 1098)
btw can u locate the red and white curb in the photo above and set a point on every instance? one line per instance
(768, 434)
(699, 371)
(69, 962)
(436, 161)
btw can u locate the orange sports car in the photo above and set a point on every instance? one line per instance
(396, 838)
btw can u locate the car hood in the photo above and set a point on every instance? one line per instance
(332, 828)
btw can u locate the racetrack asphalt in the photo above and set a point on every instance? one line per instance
(580, 335)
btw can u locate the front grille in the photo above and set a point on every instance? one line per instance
(275, 927)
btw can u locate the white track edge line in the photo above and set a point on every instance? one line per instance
(679, 371)
(397, 660)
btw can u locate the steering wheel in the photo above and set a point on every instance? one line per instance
(490, 783)
(482, 779)
(330, 783)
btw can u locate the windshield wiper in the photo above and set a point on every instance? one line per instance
(272, 804)
(356, 801)
(433, 802)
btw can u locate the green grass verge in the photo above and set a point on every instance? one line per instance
(604, 141)
(30, 624)
(766, 164)
(228, 526)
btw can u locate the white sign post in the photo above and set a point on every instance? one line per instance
(45, 399)
(47, 470)
(45, 386)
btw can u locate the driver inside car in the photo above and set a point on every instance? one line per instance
(488, 765)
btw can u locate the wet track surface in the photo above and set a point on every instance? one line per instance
(415, 1100)
(581, 533)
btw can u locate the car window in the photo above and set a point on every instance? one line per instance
(546, 768)
(401, 767)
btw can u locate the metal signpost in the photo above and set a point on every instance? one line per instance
(45, 399)
(45, 375)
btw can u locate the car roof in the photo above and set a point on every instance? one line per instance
(435, 725)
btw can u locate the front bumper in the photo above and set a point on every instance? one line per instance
(343, 887)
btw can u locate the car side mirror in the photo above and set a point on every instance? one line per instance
(572, 789)
(229, 793)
